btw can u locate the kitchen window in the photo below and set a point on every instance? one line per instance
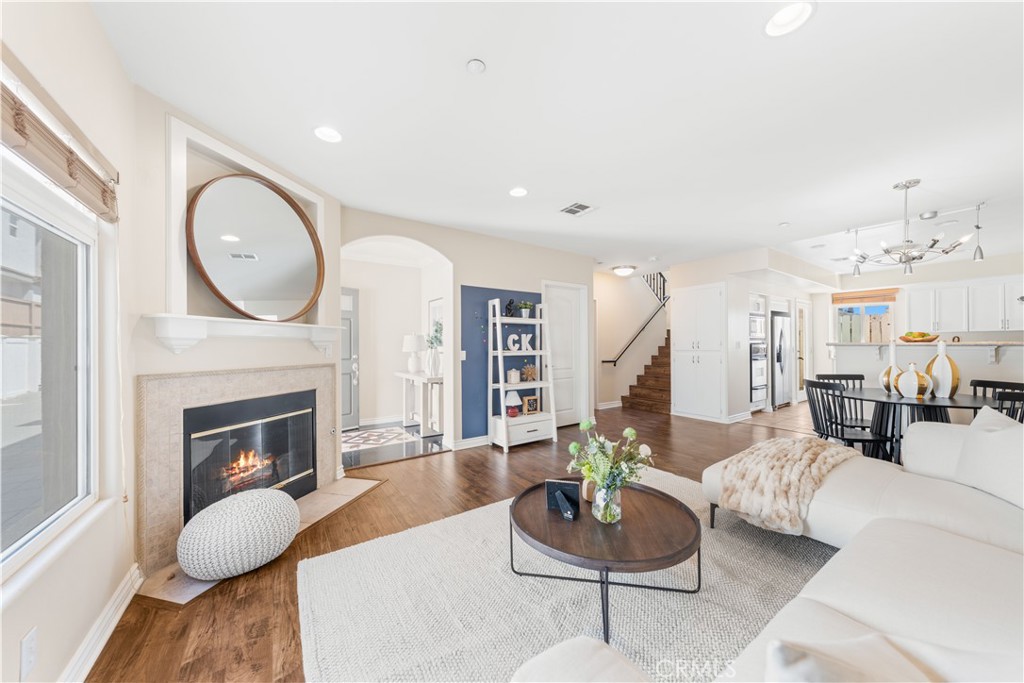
(864, 323)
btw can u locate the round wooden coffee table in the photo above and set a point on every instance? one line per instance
(656, 531)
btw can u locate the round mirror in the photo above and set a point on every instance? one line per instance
(254, 247)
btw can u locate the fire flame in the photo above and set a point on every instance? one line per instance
(247, 462)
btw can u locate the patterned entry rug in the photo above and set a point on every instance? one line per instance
(370, 438)
(438, 602)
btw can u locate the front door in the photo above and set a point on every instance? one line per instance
(349, 358)
(565, 311)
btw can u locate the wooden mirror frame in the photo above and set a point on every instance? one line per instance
(193, 251)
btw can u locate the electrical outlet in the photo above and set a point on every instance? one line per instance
(28, 653)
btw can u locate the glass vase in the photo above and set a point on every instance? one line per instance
(607, 505)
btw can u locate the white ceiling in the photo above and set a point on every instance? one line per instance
(692, 131)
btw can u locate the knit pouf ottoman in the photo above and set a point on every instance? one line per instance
(237, 534)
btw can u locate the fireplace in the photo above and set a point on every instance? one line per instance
(257, 443)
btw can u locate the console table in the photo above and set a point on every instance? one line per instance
(431, 422)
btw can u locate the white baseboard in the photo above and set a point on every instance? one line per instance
(705, 418)
(739, 417)
(90, 649)
(471, 443)
(374, 421)
(609, 404)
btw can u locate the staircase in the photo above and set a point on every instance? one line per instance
(653, 389)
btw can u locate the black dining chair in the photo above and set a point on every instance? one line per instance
(827, 402)
(854, 409)
(1011, 403)
(993, 385)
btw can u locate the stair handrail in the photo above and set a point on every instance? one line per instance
(615, 361)
(658, 284)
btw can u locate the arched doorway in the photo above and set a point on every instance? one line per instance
(394, 292)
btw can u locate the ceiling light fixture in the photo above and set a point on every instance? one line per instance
(789, 18)
(784, 224)
(979, 255)
(229, 238)
(859, 256)
(623, 271)
(327, 134)
(476, 66)
(927, 215)
(518, 192)
(909, 252)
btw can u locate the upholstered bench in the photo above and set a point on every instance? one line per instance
(238, 534)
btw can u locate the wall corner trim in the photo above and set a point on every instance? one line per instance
(89, 651)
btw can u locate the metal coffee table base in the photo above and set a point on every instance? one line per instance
(602, 580)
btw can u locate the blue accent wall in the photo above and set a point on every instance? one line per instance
(474, 343)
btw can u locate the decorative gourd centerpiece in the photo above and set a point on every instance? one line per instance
(944, 373)
(887, 378)
(913, 384)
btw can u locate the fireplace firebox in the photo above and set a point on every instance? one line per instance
(257, 443)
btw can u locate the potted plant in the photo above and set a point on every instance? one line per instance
(524, 309)
(610, 466)
(434, 340)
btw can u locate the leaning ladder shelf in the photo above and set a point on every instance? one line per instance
(503, 430)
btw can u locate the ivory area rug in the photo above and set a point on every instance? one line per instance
(370, 438)
(439, 602)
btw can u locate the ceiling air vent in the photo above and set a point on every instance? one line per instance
(244, 257)
(577, 209)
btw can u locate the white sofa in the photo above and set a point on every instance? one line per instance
(929, 567)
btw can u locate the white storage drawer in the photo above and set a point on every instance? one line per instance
(530, 431)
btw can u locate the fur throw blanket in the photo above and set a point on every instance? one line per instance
(771, 483)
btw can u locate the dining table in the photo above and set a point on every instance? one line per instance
(920, 409)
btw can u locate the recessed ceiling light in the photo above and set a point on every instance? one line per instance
(229, 238)
(784, 224)
(950, 221)
(518, 192)
(789, 18)
(927, 215)
(652, 259)
(327, 134)
(623, 271)
(476, 66)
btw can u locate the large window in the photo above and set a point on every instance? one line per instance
(47, 418)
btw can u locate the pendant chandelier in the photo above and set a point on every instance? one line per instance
(909, 252)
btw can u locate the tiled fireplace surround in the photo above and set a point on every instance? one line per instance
(160, 400)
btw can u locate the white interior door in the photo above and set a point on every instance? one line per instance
(803, 348)
(349, 386)
(566, 311)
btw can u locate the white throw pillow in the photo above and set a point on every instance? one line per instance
(992, 456)
(867, 658)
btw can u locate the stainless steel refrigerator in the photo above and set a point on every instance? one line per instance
(781, 357)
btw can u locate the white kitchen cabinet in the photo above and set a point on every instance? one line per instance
(697, 384)
(996, 306)
(698, 318)
(937, 309)
(1013, 295)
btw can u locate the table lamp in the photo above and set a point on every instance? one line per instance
(413, 344)
(512, 402)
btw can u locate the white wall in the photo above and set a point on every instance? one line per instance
(389, 307)
(623, 305)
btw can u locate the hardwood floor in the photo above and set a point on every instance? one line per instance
(247, 628)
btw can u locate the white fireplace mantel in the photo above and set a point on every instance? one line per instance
(180, 332)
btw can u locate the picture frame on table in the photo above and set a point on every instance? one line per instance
(531, 404)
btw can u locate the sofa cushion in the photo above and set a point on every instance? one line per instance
(867, 658)
(992, 456)
(915, 581)
(579, 659)
(954, 507)
(933, 449)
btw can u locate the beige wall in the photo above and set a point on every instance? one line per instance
(64, 589)
(389, 307)
(623, 305)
